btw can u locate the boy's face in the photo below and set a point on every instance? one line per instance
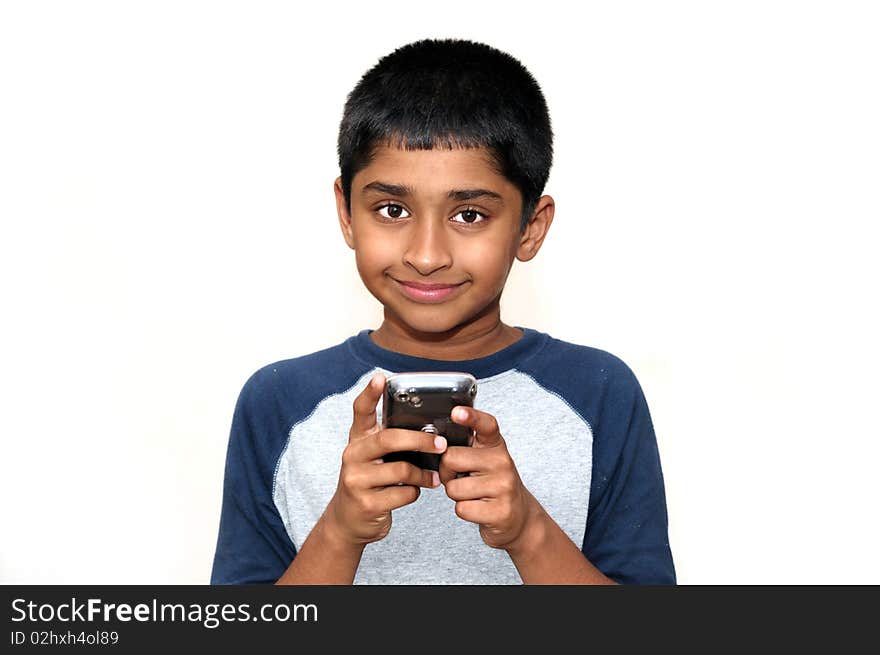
(407, 224)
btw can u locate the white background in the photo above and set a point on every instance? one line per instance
(168, 226)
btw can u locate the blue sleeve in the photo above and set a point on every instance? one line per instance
(627, 526)
(253, 546)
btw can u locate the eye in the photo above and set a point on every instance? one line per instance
(393, 209)
(470, 216)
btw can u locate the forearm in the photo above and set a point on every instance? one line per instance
(323, 559)
(546, 555)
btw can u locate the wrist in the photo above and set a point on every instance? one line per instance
(334, 536)
(533, 534)
(325, 557)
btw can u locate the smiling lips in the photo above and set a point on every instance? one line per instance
(427, 292)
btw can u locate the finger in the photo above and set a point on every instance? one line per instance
(446, 473)
(471, 488)
(394, 496)
(482, 423)
(365, 407)
(476, 511)
(462, 459)
(392, 473)
(392, 440)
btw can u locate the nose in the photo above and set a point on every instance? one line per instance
(427, 250)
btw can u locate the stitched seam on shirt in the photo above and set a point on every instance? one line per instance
(546, 339)
(354, 353)
(303, 420)
(558, 395)
(592, 445)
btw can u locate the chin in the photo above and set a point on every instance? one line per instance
(441, 322)
(428, 325)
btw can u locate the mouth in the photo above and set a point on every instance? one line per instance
(429, 293)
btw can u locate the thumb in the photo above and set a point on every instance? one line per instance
(483, 424)
(364, 420)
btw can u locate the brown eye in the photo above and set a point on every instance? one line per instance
(394, 211)
(470, 216)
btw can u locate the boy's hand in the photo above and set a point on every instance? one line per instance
(368, 488)
(493, 495)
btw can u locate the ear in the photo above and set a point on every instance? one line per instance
(344, 217)
(536, 229)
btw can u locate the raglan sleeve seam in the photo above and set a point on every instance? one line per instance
(626, 534)
(252, 546)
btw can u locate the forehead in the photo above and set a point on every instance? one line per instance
(434, 172)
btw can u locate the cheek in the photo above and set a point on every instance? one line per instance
(485, 263)
(372, 254)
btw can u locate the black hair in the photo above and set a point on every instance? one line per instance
(451, 93)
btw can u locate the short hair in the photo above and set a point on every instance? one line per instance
(451, 93)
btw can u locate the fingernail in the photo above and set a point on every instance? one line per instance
(460, 414)
(435, 479)
(440, 443)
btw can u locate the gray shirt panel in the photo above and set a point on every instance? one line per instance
(549, 442)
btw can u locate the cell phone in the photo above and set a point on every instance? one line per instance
(424, 401)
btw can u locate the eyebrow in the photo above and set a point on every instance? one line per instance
(403, 191)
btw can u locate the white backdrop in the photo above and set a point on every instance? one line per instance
(168, 226)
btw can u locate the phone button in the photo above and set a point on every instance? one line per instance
(430, 429)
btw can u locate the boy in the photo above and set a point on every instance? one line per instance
(444, 149)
